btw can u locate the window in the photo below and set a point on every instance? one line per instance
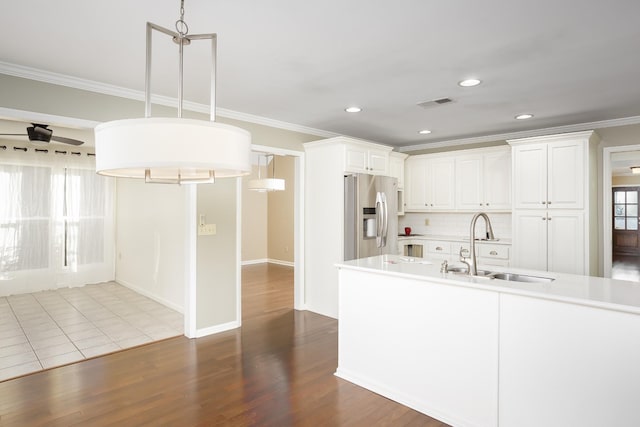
(56, 221)
(625, 209)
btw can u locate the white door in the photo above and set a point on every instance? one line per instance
(566, 175)
(355, 160)
(415, 185)
(530, 176)
(566, 242)
(497, 180)
(530, 239)
(469, 183)
(440, 185)
(378, 162)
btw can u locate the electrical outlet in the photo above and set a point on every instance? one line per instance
(207, 230)
(426, 221)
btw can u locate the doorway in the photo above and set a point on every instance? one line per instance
(621, 193)
(279, 240)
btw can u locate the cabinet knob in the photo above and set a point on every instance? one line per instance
(544, 219)
(549, 203)
(486, 204)
(431, 204)
(493, 253)
(544, 203)
(549, 219)
(438, 248)
(480, 204)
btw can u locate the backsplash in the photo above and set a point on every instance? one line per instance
(454, 224)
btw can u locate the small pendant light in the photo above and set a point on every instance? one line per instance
(267, 184)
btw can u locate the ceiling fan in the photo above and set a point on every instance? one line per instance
(41, 133)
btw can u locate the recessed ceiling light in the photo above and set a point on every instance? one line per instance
(353, 109)
(524, 116)
(469, 82)
(635, 169)
(424, 132)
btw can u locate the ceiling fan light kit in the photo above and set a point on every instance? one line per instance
(173, 150)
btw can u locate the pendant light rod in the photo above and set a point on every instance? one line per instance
(181, 40)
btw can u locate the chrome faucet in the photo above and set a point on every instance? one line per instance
(472, 261)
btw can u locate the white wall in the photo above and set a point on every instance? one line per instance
(217, 272)
(150, 240)
(254, 220)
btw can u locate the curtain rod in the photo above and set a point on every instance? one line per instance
(46, 150)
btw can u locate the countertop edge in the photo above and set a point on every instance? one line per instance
(500, 286)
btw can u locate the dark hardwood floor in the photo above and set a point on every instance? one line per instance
(277, 370)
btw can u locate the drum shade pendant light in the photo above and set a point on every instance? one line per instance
(173, 150)
(267, 184)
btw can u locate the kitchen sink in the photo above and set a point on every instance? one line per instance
(513, 277)
(465, 270)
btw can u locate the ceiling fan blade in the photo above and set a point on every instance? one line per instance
(13, 134)
(67, 140)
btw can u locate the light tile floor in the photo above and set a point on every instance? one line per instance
(53, 328)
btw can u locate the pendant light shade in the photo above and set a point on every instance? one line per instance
(173, 150)
(267, 184)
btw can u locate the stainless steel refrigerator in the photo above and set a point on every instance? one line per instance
(370, 216)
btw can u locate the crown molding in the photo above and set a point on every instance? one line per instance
(579, 127)
(108, 89)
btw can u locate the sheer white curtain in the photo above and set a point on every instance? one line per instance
(56, 220)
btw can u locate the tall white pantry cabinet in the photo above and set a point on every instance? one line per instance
(555, 203)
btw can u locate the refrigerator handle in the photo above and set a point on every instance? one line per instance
(385, 226)
(379, 219)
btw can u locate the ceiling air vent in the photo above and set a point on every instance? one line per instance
(435, 102)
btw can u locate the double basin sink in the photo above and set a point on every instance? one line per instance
(512, 277)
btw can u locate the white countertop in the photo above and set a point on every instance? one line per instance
(619, 295)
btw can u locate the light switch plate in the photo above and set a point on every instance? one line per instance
(207, 230)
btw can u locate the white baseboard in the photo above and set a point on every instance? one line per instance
(268, 260)
(397, 396)
(280, 262)
(255, 261)
(151, 295)
(217, 329)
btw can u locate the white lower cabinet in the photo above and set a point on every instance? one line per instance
(432, 347)
(549, 241)
(566, 367)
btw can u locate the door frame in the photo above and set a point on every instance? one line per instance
(298, 225)
(607, 214)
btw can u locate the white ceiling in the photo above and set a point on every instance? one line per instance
(567, 62)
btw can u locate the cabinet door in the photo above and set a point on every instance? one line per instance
(530, 176)
(566, 245)
(396, 170)
(378, 162)
(529, 248)
(566, 175)
(440, 186)
(497, 180)
(355, 160)
(469, 183)
(415, 185)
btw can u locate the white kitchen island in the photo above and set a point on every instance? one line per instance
(487, 352)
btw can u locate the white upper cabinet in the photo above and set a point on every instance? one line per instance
(362, 159)
(429, 183)
(396, 167)
(483, 180)
(550, 175)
